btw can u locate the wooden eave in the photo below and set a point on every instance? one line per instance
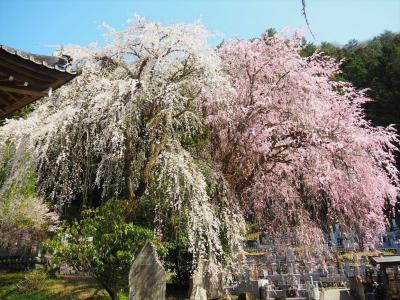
(26, 77)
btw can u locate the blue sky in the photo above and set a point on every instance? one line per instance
(30, 25)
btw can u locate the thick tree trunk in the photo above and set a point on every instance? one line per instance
(113, 294)
(133, 192)
(111, 289)
(129, 153)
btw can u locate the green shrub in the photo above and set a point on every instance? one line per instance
(102, 244)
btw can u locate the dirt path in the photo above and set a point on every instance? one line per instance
(338, 295)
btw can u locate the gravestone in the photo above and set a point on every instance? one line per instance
(290, 255)
(263, 238)
(347, 269)
(347, 244)
(253, 276)
(290, 268)
(199, 293)
(333, 237)
(394, 225)
(332, 270)
(274, 268)
(147, 276)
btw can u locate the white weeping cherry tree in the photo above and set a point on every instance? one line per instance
(131, 126)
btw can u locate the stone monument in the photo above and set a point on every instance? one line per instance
(202, 282)
(147, 276)
(198, 292)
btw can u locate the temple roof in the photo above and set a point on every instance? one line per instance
(386, 261)
(26, 77)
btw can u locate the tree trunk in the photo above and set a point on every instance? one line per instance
(111, 289)
(113, 294)
(128, 158)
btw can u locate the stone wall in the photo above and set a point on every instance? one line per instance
(18, 263)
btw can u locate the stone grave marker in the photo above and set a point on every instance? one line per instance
(147, 276)
(274, 268)
(198, 292)
(290, 256)
(202, 282)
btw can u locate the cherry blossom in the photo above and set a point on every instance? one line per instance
(295, 145)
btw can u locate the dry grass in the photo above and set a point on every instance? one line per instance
(79, 288)
(62, 288)
(349, 255)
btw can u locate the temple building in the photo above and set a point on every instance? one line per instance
(26, 77)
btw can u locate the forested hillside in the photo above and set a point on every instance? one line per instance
(375, 65)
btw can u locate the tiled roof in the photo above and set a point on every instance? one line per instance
(61, 64)
(26, 77)
(385, 260)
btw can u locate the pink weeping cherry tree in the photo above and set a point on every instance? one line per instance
(295, 146)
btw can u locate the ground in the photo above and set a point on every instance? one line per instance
(67, 288)
(57, 288)
(338, 294)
